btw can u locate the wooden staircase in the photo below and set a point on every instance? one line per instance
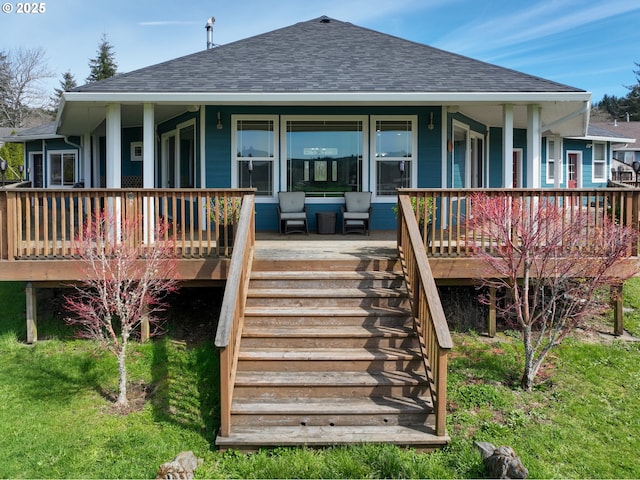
(329, 356)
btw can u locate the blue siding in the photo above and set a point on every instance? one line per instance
(130, 135)
(495, 157)
(218, 155)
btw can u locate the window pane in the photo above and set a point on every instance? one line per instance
(324, 157)
(393, 138)
(598, 152)
(551, 149)
(551, 170)
(254, 138)
(69, 166)
(390, 176)
(56, 169)
(598, 170)
(261, 177)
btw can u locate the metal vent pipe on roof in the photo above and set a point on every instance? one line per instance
(209, 28)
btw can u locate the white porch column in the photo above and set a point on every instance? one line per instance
(148, 172)
(114, 146)
(86, 160)
(95, 177)
(148, 146)
(507, 146)
(534, 146)
(559, 161)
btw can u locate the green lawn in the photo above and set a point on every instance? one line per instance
(56, 421)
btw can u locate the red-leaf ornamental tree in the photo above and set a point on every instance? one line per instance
(123, 281)
(547, 259)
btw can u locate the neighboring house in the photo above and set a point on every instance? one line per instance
(50, 153)
(323, 106)
(626, 150)
(587, 162)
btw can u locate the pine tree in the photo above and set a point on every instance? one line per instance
(67, 84)
(104, 65)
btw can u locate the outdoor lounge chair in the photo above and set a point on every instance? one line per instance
(356, 212)
(292, 213)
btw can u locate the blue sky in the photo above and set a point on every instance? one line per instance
(589, 44)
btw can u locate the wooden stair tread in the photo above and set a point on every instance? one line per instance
(332, 406)
(326, 275)
(285, 311)
(326, 292)
(252, 437)
(333, 354)
(329, 331)
(310, 379)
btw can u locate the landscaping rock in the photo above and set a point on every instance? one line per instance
(501, 462)
(180, 468)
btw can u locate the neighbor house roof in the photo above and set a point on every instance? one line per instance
(630, 130)
(325, 55)
(598, 133)
(41, 132)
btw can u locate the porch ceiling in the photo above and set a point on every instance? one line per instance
(575, 116)
(566, 117)
(79, 118)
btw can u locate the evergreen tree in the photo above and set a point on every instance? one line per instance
(67, 84)
(633, 97)
(104, 65)
(13, 153)
(611, 105)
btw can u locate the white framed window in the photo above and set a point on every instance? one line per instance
(136, 151)
(629, 157)
(323, 155)
(599, 162)
(394, 146)
(62, 168)
(552, 165)
(255, 150)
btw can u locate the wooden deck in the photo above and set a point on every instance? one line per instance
(312, 327)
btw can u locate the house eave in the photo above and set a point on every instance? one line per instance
(326, 98)
(596, 138)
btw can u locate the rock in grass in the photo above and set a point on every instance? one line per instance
(180, 468)
(501, 462)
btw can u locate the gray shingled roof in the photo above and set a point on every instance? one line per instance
(47, 130)
(324, 55)
(596, 131)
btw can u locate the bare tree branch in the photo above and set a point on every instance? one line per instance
(21, 72)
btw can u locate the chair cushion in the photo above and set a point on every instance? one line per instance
(291, 201)
(357, 201)
(356, 215)
(293, 216)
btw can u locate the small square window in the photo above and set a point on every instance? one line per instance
(136, 151)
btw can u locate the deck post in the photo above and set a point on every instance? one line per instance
(31, 313)
(491, 327)
(145, 331)
(616, 304)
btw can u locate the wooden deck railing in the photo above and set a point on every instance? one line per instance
(232, 310)
(448, 233)
(43, 223)
(427, 310)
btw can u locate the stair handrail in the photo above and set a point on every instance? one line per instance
(433, 330)
(231, 318)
